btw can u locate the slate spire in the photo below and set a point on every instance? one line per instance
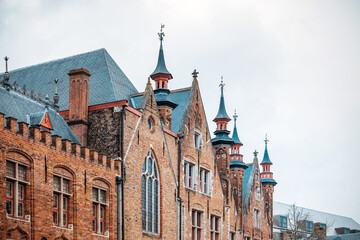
(161, 75)
(222, 111)
(235, 136)
(266, 158)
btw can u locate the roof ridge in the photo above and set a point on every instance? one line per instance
(55, 60)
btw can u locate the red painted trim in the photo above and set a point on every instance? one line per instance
(170, 132)
(134, 111)
(100, 106)
(108, 105)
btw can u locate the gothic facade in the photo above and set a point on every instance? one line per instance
(104, 161)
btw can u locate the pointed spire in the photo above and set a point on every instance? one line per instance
(235, 136)
(266, 158)
(222, 111)
(6, 75)
(161, 67)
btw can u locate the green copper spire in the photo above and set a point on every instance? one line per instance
(266, 158)
(235, 136)
(161, 67)
(222, 111)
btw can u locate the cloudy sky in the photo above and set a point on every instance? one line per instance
(291, 69)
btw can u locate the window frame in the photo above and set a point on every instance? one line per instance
(206, 177)
(190, 174)
(257, 218)
(98, 206)
(282, 223)
(16, 182)
(196, 224)
(61, 195)
(309, 226)
(215, 226)
(198, 139)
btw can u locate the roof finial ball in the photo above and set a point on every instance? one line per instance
(161, 33)
(6, 75)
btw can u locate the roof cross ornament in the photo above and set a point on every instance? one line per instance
(161, 33)
(235, 116)
(255, 153)
(266, 139)
(222, 84)
(195, 73)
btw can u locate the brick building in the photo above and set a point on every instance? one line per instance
(152, 151)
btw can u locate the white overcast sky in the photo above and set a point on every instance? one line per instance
(291, 69)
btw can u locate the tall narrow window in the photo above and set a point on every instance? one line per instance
(214, 227)
(16, 181)
(61, 201)
(98, 210)
(189, 175)
(205, 185)
(257, 219)
(150, 186)
(196, 223)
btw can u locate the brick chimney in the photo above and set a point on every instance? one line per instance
(78, 103)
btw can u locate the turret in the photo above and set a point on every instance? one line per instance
(161, 76)
(268, 184)
(235, 149)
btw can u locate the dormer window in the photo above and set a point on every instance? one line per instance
(198, 141)
(309, 226)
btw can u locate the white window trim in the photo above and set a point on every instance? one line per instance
(258, 220)
(200, 142)
(194, 174)
(213, 216)
(209, 186)
(201, 227)
(61, 195)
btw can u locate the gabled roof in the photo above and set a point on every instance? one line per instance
(179, 97)
(333, 220)
(24, 109)
(108, 83)
(161, 67)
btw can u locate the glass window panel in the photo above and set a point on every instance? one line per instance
(95, 194)
(20, 209)
(156, 206)
(155, 170)
(64, 203)
(9, 189)
(9, 207)
(66, 186)
(55, 218)
(21, 192)
(22, 172)
(143, 198)
(55, 205)
(94, 210)
(149, 166)
(10, 169)
(94, 225)
(103, 196)
(150, 206)
(57, 183)
(101, 227)
(144, 166)
(64, 219)
(102, 212)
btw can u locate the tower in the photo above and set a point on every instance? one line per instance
(79, 103)
(237, 167)
(268, 184)
(161, 76)
(222, 142)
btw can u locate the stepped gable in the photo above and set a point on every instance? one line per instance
(108, 81)
(179, 96)
(24, 109)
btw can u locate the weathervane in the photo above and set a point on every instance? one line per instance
(222, 84)
(266, 139)
(161, 33)
(235, 116)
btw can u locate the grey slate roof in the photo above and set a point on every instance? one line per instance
(266, 158)
(322, 217)
(179, 97)
(222, 111)
(235, 136)
(108, 83)
(16, 105)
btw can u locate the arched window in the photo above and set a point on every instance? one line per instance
(150, 186)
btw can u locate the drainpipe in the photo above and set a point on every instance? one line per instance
(122, 172)
(118, 180)
(178, 186)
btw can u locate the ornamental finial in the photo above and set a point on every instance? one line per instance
(6, 75)
(266, 139)
(222, 84)
(255, 153)
(161, 33)
(235, 116)
(195, 74)
(6, 63)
